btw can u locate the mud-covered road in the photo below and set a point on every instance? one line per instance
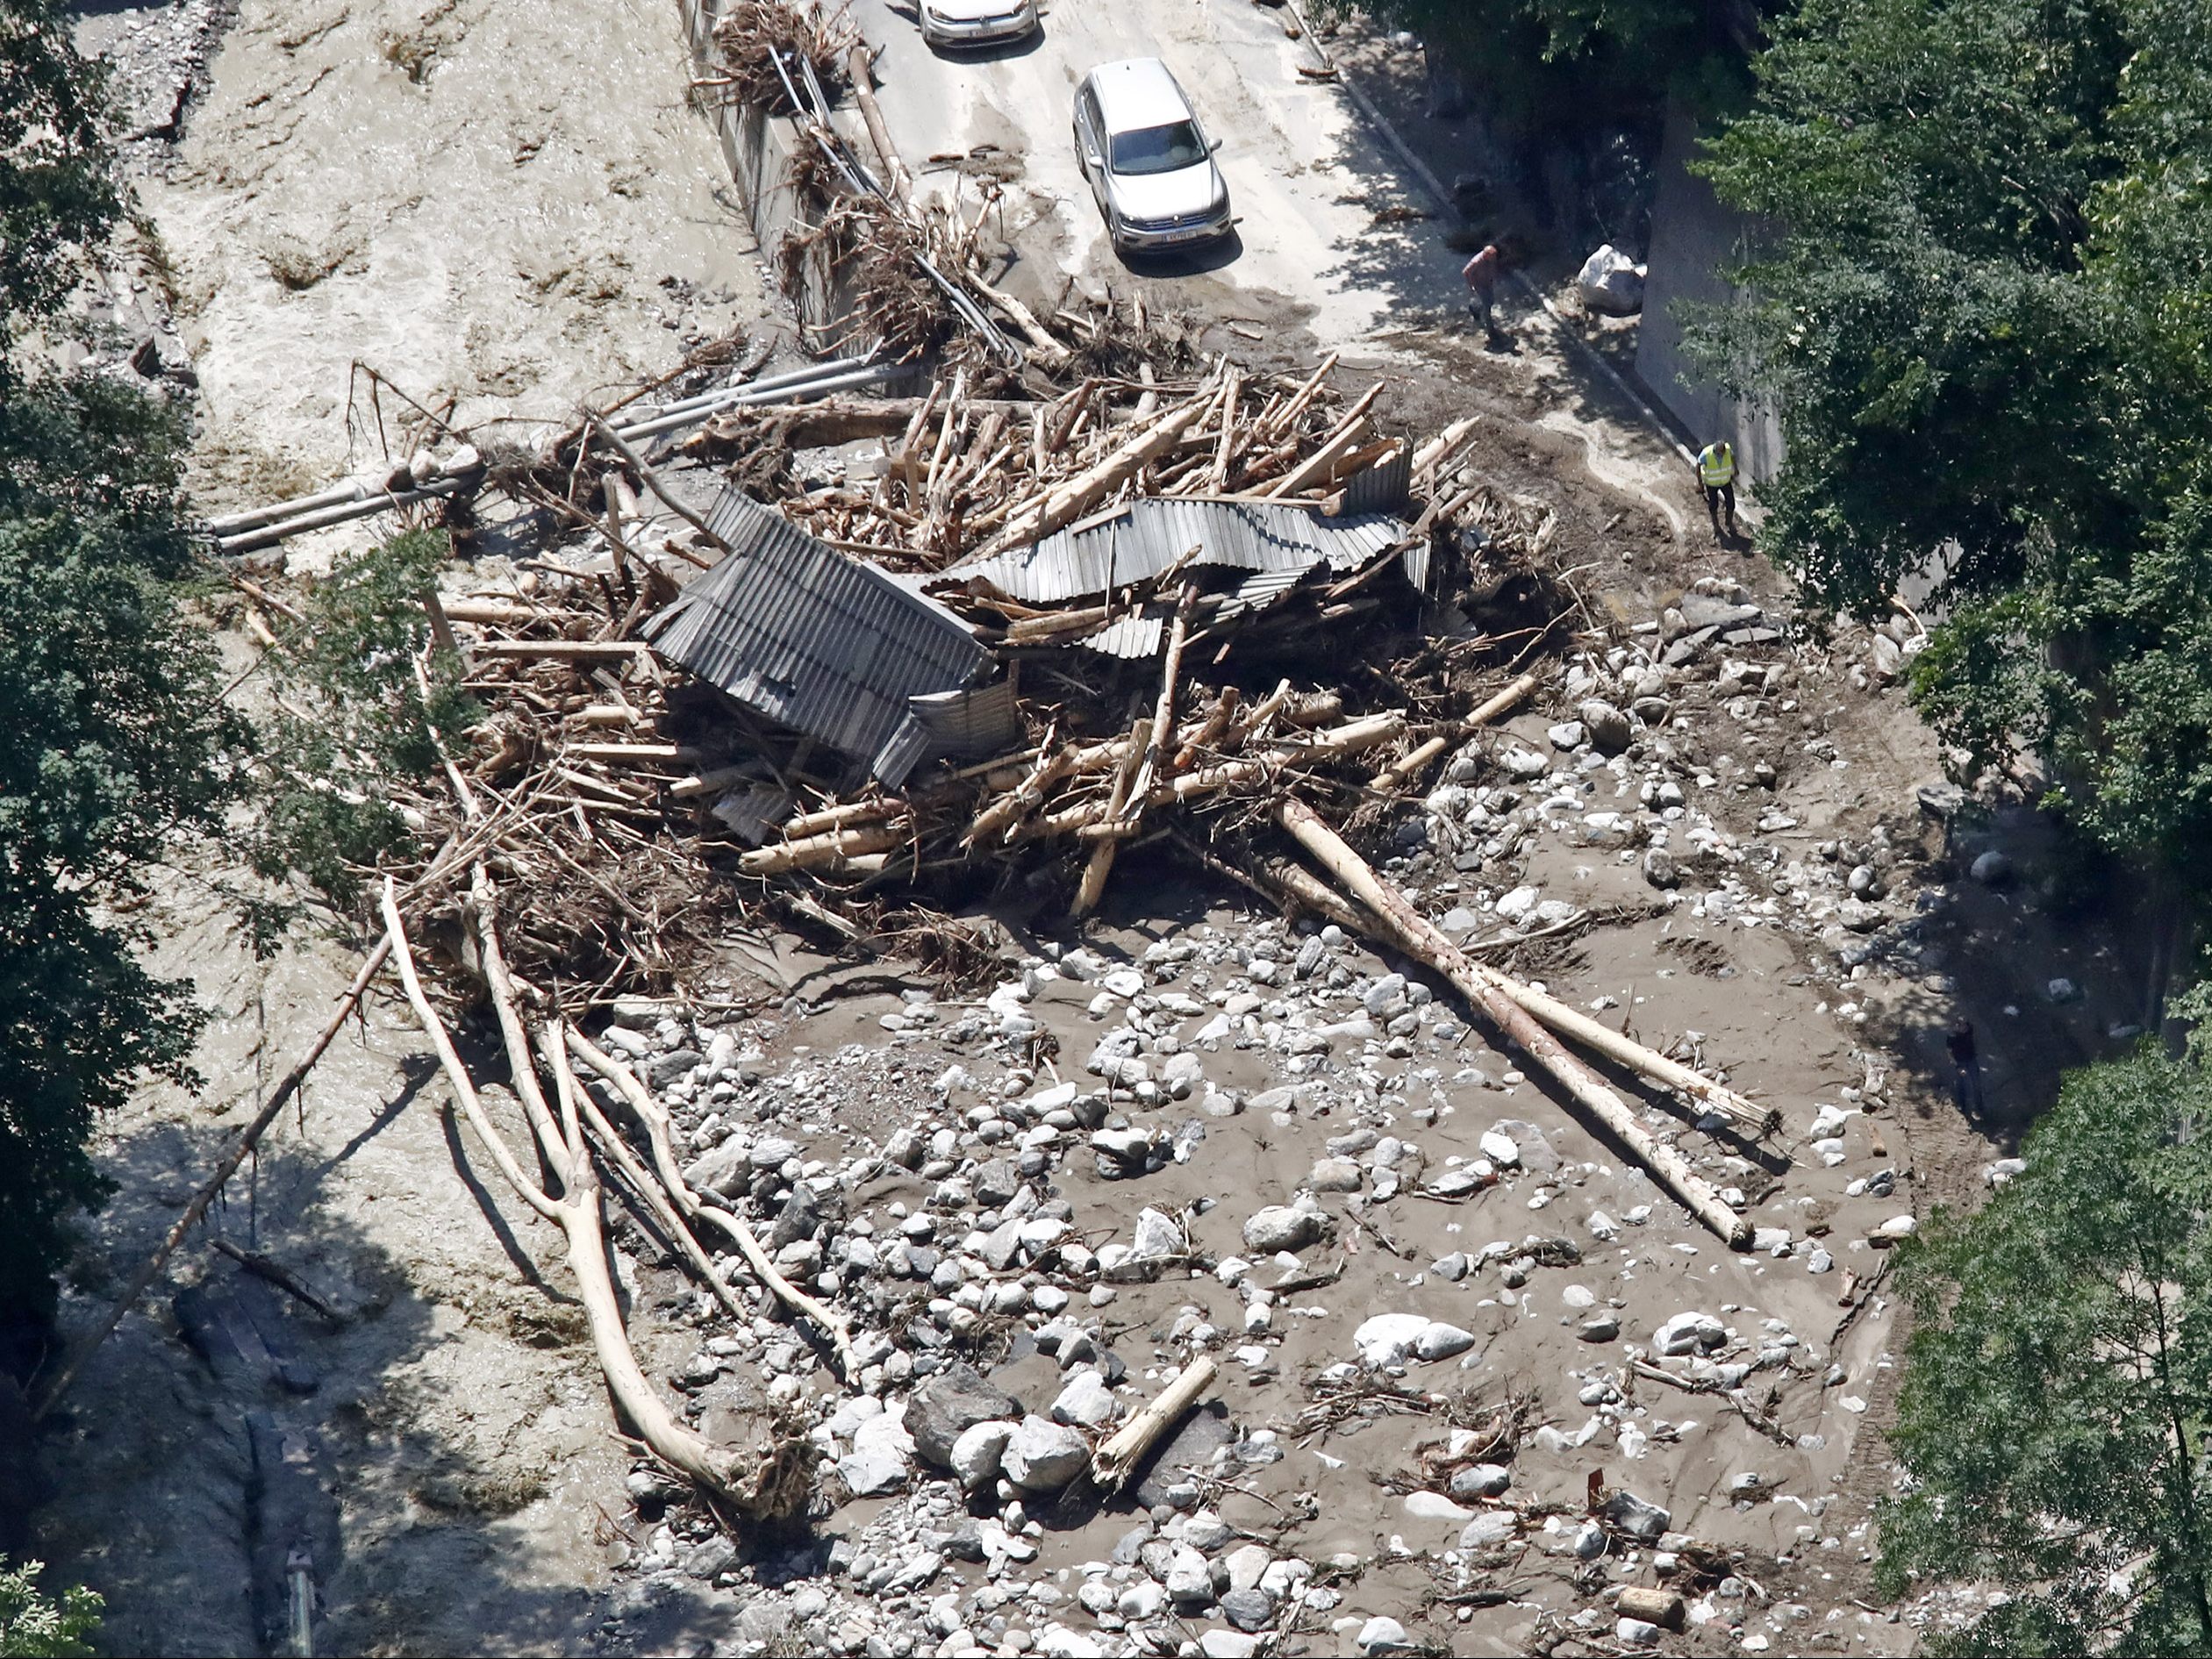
(1306, 177)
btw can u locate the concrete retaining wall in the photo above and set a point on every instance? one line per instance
(1693, 238)
(759, 147)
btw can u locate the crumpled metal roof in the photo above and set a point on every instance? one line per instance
(1143, 634)
(818, 642)
(1146, 536)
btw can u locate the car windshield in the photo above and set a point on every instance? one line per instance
(1158, 149)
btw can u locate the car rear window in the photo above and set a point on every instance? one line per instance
(1158, 149)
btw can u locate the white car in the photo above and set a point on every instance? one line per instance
(977, 23)
(1149, 162)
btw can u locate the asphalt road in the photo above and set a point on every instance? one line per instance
(1306, 175)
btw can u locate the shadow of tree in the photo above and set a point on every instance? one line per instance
(437, 1460)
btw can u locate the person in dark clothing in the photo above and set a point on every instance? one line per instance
(1967, 1088)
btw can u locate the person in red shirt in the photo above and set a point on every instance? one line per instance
(1480, 274)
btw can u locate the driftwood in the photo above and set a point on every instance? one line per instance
(654, 1117)
(1115, 1462)
(1421, 939)
(767, 1480)
(1402, 772)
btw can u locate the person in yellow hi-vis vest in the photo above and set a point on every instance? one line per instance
(1716, 475)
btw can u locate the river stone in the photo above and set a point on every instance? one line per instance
(1636, 1517)
(956, 1398)
(979, 1453)
(1282, 1227)
(1043, 1455)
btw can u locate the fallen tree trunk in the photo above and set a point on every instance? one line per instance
(1115, 1461)
(1647, 1063)
(1421, 939)
(1068, 501)
(772, 1480)
(1353, 738)
(1391, 776)
(826, 850)
(656, 1118)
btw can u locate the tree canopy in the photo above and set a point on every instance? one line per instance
(1985, 311)
(2059, 1388)
(116, 742)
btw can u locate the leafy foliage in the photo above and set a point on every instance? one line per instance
(353, 715)
(117, 745)
(33, 1625)
(2059, 1386)
(1986, 313)
(57, 194)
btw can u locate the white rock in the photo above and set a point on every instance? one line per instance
(1085, 1403)
(1688, 1334)
(1057, 1641)
(1498, 1147)
(1388, 1339)
(1435, 1507)
(1518, 905)
(1226, 1644)
(1043, 1455)
(1898, 1226)
(1489, 1526)
(1382, 1634)
(1246, 1565)
(878, 1461)
(978, 1453)
(1283, 1226)
(1157, 1235)
(1438, 1340)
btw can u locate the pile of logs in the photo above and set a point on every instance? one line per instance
(962, 473)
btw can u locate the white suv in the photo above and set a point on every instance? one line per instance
(1149, 162)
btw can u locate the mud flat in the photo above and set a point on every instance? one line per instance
(510, 205)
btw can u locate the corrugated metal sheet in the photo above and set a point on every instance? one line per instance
(1143, 634)
(1149, 535)
(1388, 487)
(1259, 591)
(752, 810)
(1133, 636)
(816, 641)
(974, 725)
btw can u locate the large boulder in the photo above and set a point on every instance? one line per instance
(1282, 1227)
(956, 1398)
(1610, 281)
(1044, 1456)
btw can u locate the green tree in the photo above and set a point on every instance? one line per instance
(116, 746)
(57, 191)
(37, 1627)
(356, 717)
(2059, 1384)
(1985, 312)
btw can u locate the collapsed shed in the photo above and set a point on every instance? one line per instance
(840, 652)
